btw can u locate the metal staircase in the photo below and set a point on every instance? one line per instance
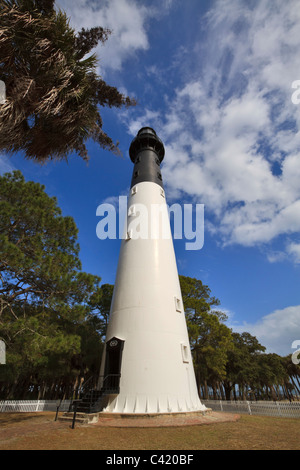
(93, 400)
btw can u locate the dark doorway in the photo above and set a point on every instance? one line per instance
(112, 371)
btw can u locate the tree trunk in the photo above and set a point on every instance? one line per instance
(75, 388)
(221, 391)
(11, 390)
(227, 387)
(243, 393)
(273, 392)
(295, 385)
(205, 390)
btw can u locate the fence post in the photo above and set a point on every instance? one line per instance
(249, 407)
(279, 408)
(74, 415)
(221, 406)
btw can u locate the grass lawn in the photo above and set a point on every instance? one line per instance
(38, 431)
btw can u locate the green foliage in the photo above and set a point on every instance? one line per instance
(241, 367)
(210, 339)
(99, 304)
(43, 292)
(228, 360)
(53, 92)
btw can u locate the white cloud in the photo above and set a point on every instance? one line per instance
(276, 331)
(127, 20)
(232, 134)
(294, 250)
(135, 126)
(5, 165)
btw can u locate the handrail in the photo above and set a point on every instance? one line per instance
(84, 385)
(79, 392)
(114, 381)
(58, 404)
(110, 384)
(75, 411)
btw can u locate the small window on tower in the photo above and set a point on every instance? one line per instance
(134, 190)
(178, 304)
(185, 353)
(162, 193)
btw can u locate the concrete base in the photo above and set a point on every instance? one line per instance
(81, 418)
(150, 420)
(90, 418)
(104, 414)
(134, 420)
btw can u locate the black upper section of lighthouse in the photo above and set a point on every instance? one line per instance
(146, 152)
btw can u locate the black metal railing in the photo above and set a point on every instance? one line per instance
(82, 390)
(92, 401)
(110, 383)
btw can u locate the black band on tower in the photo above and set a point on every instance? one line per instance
(146, 152)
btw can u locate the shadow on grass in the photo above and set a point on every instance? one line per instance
(7, 419)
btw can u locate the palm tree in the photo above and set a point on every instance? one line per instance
(53, 92)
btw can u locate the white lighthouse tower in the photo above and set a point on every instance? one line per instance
(147, 365)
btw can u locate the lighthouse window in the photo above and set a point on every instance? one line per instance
(185, 353)
(134, 190)
(162, 193)
(178, 304)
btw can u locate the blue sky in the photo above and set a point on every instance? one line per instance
(214, 79)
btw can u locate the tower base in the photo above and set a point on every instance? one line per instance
(152, 420)
(148, 405)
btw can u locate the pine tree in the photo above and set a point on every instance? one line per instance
(210, 339)
(53, 92)
(43, 292)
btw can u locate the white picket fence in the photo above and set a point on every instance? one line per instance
(266, 408)
(26, 406)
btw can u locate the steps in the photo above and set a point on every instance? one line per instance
(91, 402)
(88, 407)
(81, 418)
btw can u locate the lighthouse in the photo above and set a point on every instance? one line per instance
(147, 365)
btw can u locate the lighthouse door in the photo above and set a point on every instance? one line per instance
(112, 371)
